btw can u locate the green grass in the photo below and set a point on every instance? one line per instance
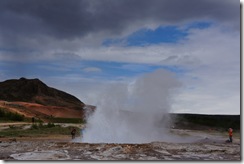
(9, 116)
(37, 130)
(67, 120)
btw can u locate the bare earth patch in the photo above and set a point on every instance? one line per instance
(40, 111)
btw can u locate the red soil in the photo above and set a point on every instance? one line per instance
(38, 110)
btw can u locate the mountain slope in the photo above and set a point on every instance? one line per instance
(35, 91)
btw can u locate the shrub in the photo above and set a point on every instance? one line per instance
(40, 125)
(10, 116)
(34, 126)
(12, 127)
(16, 117)
(2, 112)
(50, 125)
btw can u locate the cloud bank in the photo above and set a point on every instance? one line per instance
(61, 38)
(44, 21)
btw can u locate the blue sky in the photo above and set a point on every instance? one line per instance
(99, 43)
(107, 69)
(100, 70)
(162, 34)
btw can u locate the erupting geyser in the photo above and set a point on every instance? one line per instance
(133, 113)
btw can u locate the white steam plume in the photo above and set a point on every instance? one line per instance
(133, 113)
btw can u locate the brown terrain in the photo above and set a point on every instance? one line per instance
(40, 111)
(33, 98)
(35, 91)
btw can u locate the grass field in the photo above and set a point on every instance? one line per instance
(36, 130)
(67, 120)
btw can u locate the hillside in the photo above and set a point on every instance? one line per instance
(33, 98)
(35, 91)
(201, 121)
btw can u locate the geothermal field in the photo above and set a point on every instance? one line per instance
(130, 122)
(138, 80)
(191, 145)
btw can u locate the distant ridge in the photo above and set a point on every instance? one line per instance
(197, 121)
(35, 91)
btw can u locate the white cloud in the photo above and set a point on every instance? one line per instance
(92, 69)
(217, 88)
(211, 57)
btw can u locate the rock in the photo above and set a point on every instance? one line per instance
(48, 155)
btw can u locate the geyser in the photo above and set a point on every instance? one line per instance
(133, 113)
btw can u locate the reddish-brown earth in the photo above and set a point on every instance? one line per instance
(40, 111)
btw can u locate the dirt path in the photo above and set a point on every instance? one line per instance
(14, 123)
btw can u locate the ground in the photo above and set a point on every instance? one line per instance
(208, 145)
(40, 111)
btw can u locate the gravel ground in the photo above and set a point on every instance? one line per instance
(205, 148)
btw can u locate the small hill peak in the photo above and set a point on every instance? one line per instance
(22, 78)
(35, 91)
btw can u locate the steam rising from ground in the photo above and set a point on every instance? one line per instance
(135, 112)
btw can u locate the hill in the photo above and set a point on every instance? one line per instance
(201, 121)
(27, 98)
(35, 91)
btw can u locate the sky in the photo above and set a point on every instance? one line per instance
(81, 47)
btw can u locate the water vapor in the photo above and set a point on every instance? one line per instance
(134, 112)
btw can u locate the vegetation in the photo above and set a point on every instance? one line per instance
(222, 122)
(9, 116)
(66, 120)
(37, 130)
(40, 125)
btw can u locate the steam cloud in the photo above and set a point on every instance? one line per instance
(133, 113)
